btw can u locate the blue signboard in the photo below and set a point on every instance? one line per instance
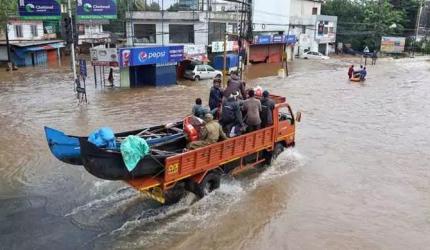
(271, 39)
(290, 39)
(266, 39)
(39, 9)
(151, 55)
(96, 9)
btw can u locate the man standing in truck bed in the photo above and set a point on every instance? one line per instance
(211, 133)
(252, 107)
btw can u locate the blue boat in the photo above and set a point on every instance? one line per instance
(66, 148)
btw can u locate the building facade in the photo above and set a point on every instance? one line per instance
(31, 42)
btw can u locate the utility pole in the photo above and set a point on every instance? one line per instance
(417, 26)
(72, 45)
(8, 47)
(224, 71)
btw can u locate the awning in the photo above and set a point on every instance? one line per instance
(42, 47)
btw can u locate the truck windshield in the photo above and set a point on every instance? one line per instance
(285, 115)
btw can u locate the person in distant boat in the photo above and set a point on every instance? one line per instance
(357, 73)
(198, 109)
(350, 71)
(363, 74)
(211, 133)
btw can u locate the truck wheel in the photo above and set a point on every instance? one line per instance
(270, 156)
(173, 196)
(209, 184)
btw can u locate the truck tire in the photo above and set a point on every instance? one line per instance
(209, 184)
(174, 195)
(270, 156)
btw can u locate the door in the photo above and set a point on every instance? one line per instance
(201, 71)
(210, 72)
(286, 124)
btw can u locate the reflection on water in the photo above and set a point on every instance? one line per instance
(358, 177)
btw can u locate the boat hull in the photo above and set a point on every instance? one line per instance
(109, 165)
(66, 148)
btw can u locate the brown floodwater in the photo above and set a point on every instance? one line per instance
(358, 177)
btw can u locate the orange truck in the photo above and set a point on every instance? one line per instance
(199, 171)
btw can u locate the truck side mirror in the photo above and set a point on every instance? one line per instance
(298, 116)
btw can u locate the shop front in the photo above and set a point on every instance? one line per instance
(270, 48)
(149, 66)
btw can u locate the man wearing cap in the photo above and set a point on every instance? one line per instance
(267, 105)
(211, 133)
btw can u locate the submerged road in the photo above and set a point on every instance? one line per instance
(358, 178)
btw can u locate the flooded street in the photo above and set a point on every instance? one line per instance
(358, 177)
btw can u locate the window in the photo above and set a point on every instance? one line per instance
(315, 11)
(325, 30)
(81, 29)
(209, 68)
(330, 30)
(34, 30)
(201, 68)
(144, 33)
(304, 29)
(216, 32)
(285, 115)
(18, 30)
(179, 33)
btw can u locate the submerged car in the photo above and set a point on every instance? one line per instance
(200, 71)
(314, 55)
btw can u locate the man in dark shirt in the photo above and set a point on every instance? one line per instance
(215, 96)
(267, 105)
(231, 116)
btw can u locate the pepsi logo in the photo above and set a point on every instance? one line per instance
(143, 56)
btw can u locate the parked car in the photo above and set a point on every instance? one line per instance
(199, 71)
(349, 51)
(314, 55)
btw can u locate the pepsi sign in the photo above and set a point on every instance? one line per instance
(152, 55)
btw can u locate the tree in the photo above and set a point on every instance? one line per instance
(8, 8)
(363, 22)
(383, 16)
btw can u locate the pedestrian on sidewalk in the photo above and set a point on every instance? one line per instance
(374, 57)
(110, 78)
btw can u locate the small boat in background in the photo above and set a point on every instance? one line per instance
(67, 149)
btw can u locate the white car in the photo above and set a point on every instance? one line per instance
(199, 71)
(314, 55)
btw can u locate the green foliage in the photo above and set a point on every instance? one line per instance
(7, 8)
(363, 22)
